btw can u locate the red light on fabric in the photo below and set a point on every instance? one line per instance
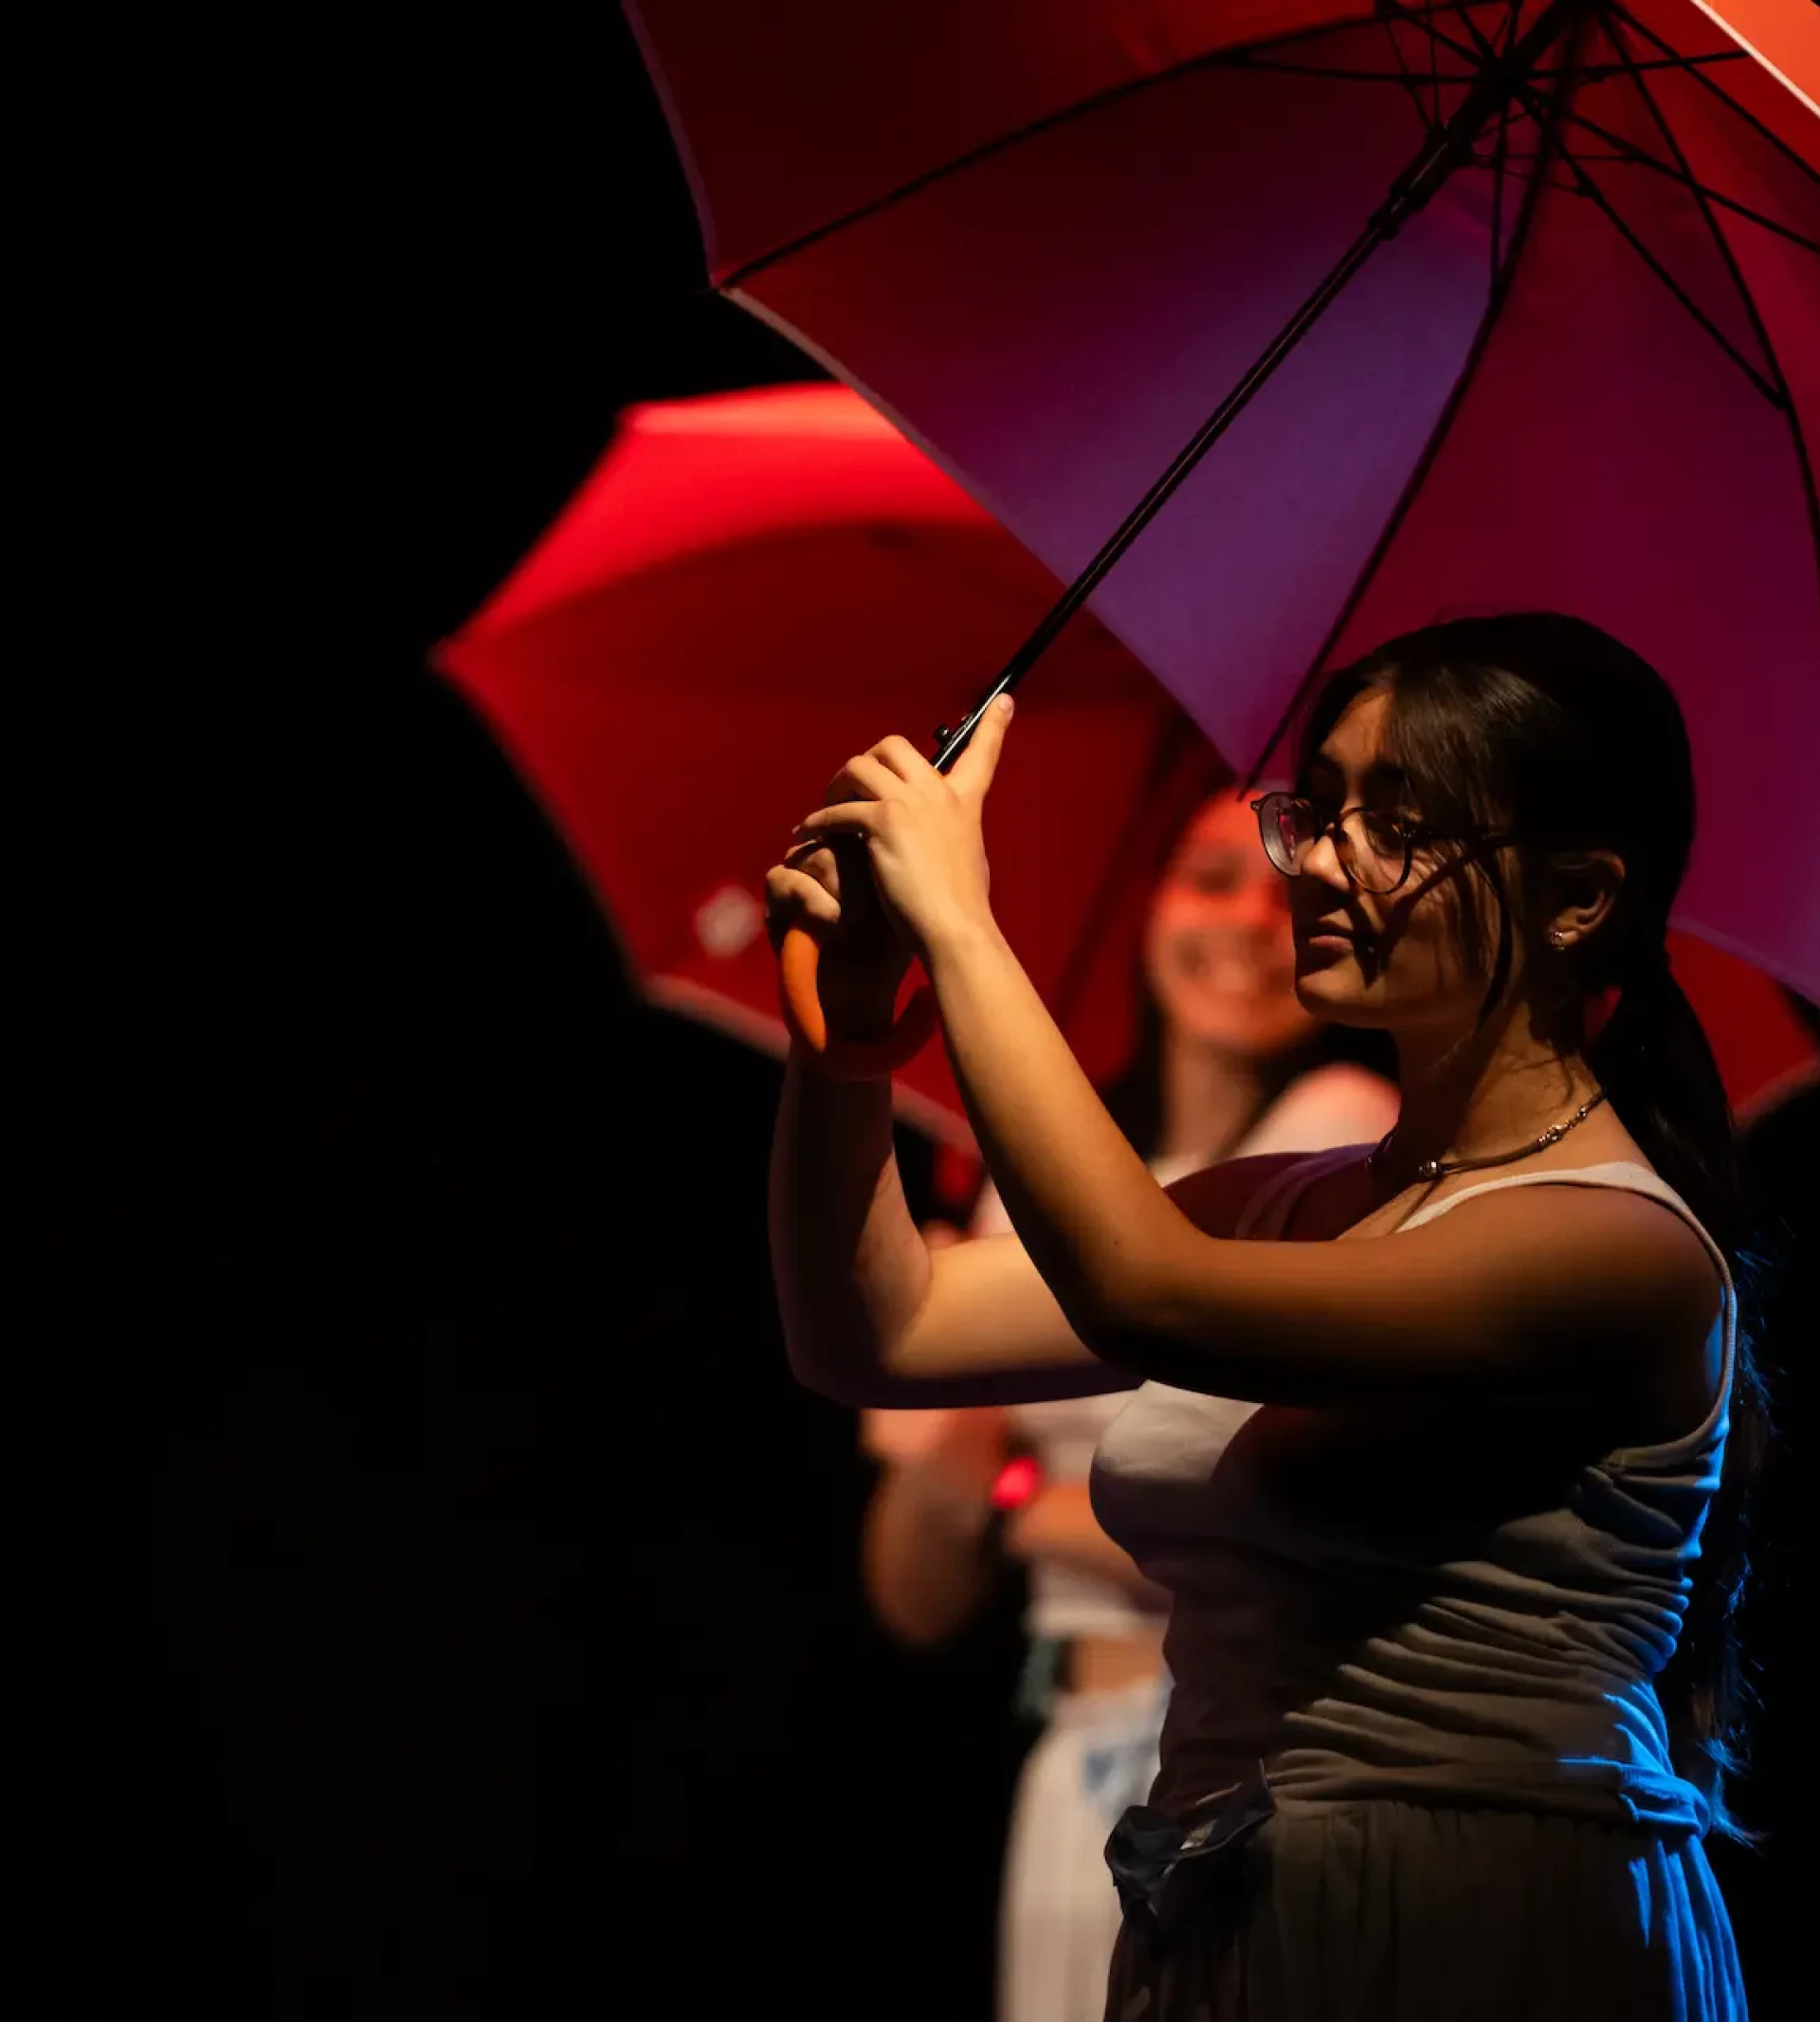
(1018, 1480)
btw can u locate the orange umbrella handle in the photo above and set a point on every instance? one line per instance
(847, 1060)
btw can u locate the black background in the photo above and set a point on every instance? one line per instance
(435, 1598)
(431, 1596)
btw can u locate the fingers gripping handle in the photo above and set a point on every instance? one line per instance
(870, 1060)
(847, 1060)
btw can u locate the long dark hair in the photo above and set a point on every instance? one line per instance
(1551, 728)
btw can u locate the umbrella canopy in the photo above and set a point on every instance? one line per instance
(1049, 239)
(746, 590)
(748, 581)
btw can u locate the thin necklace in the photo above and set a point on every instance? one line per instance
(1433, 1169)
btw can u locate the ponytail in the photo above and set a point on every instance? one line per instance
(1654, 1063)
(1653, 1060)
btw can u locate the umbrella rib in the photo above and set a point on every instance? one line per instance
(1238, 58)
(1597, 73)
(1545, 181)
(1407, 75)
(1786, 402)
(1588, 187)
(1481, 48)
(1501, 152)
(1577, 73)
(1630, 66)
(1425, 21)
(1477, 51)
(1777, 396)
(1353, 77)
(1590, 74)
(1696, 68)
(1489, 51)
(1630, 152)
(1430, 449)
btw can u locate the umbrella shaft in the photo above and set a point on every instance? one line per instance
(1447, 148)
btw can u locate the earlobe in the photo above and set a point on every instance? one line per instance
(1590, 890)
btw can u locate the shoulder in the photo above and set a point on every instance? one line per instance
(1576, 1258)
(1328, 1106)
(1576, 1292)
(1583, 1208)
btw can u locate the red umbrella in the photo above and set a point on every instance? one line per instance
(747, 582)
(1504, 302)
(743, 592)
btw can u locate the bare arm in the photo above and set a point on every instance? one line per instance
(870, 1316)
(927, 1562)
(929, 1568)
(1522, 1294)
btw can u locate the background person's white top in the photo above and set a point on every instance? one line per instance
(1336, 1105)
(1373, 1609)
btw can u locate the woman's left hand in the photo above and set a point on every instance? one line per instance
(921, 829)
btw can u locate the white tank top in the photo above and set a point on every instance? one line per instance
(1373, 1613)
(1327, 1106)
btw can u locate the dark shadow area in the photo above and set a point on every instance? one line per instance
(433, 1597)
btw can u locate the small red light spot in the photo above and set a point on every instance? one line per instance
(1018, 1480)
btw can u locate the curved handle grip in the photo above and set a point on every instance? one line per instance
(847, 1060)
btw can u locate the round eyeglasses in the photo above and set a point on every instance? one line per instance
(1376, 848)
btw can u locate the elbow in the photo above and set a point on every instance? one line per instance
(1114, 1314)
(833, 1386)
(913, 1627)
(1122, 1345)
(837, 1380)
(1130, 1329)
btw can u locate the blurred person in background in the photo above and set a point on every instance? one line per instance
(1228, 1062)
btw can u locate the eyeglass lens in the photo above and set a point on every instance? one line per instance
(1370, 851)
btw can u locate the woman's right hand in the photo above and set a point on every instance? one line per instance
(827, 889)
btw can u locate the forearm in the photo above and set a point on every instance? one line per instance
(1506, 1299)
(1083, 1202)
(927, 1565)
(851, 1269)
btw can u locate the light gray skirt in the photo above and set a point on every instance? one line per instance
(1381, 1911)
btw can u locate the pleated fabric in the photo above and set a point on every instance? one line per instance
(1384, 1911)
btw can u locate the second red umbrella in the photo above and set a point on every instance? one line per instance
(749, 587)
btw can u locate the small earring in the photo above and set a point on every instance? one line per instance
(1557, 939)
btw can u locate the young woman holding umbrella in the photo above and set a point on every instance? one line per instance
(1439, 1448)
(1228, 1062)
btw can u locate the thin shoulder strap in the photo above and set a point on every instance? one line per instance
(1624, 1176)
(1270, 1207)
